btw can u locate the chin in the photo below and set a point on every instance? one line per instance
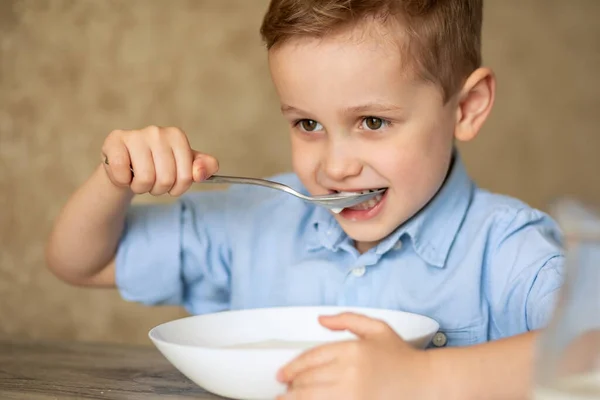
(369, 234)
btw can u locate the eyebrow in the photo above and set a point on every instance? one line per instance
(372, 107)
(377, 107)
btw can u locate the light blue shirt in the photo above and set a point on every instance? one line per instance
(484, 266)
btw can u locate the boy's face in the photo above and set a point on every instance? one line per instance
(358, 121)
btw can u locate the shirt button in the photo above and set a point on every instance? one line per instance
(398, 245)
(439, 339)
(359, 271)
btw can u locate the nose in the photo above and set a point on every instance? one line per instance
(341, 161)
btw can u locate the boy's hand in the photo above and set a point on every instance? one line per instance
(161, 158)
(380, 365)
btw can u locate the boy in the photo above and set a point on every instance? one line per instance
(376, 92)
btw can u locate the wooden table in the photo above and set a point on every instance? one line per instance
(73, 370)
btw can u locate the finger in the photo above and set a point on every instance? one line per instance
(183, 162)
(309, 393)
(117, 163)
(361, 325)
(165, 170)
(310, 359)
(204, 166)
(325, 374)
(143, 168)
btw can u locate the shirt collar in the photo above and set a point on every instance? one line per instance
(432, 230)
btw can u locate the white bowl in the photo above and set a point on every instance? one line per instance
(228, 353)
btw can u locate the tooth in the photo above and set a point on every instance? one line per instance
(366, 191)
(369, 203)
(337, 210)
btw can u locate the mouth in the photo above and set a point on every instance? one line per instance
(365, 205)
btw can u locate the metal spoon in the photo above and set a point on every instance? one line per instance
(335, 201)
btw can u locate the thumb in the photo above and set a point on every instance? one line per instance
(361, 325)
(203, 166)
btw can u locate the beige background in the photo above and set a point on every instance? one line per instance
(71, 71)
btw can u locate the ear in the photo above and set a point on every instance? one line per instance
(475, 103)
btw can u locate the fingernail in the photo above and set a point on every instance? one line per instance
(200, 174)
(280, 376)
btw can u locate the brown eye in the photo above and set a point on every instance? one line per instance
(373, 123)
(309, 125)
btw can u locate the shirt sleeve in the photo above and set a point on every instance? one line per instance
(525, 273)
(543, 294)
(177, 254)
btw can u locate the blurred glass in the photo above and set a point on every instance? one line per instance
(567, 364)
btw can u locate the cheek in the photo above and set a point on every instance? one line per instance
(399, 166)
(305, 160)
(418, 162)
(423, 172)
